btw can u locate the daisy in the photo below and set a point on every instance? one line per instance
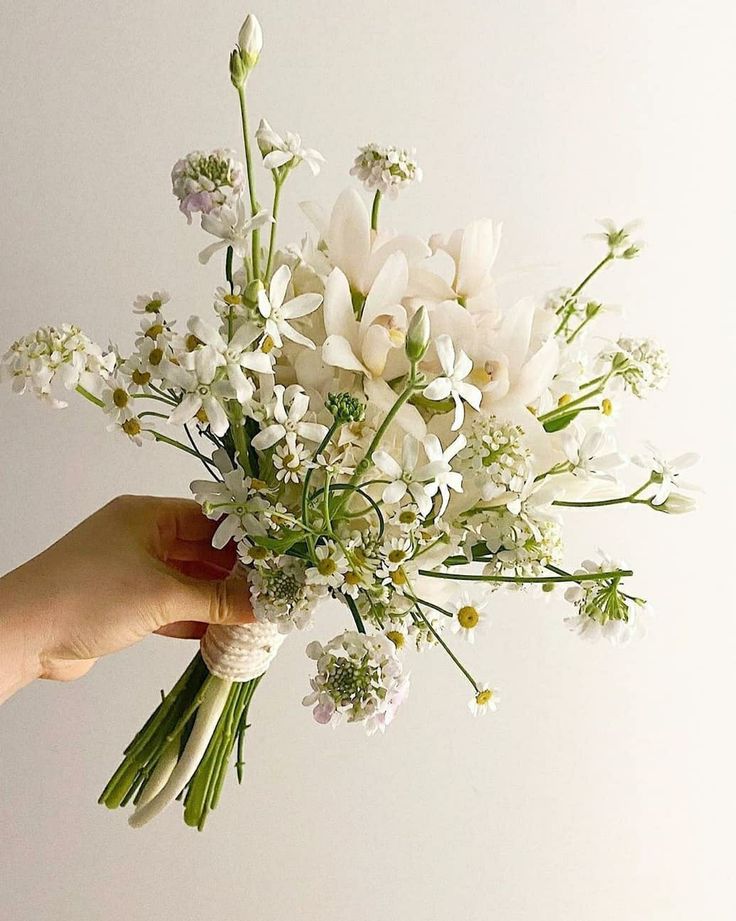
(484, 700)
(291, 460)
(469, 616)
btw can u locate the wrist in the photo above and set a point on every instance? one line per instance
(21, 647)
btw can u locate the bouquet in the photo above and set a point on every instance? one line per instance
(373, 423)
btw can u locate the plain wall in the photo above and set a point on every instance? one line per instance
(602, 788)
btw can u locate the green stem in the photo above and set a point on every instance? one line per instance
(274, 214)
(530, 580)
(447, 649)
(376, 209)
(88, 396)
(174, 443)
(601, 503)
(251, 180)
(606, 259)
(356, 614)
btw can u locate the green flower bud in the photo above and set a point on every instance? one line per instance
(417, 337)
(237, 68)
(345, 407)
(250, 295)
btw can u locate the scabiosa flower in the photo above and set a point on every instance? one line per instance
(640, 364)
(498, 456)
(359, 677)
(386, 169)
(484, 700)
(281, 594)
(469, 616)
(55, 354)
(204, 181)
(604, 610)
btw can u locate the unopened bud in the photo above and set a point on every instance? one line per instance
(676, 504)
(417, 336)
(237, 68)
(250, 295)
(250, 42)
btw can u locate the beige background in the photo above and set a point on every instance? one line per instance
(602, 788)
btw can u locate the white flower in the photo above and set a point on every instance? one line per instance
(453, 383)
(233, 225)
(359, 676)
(291, 460)
(473, 251)
(666, 473)
(469, 616)
(117, 402)
(484, 700)
(234, 500)
(362, 344)
(500, 460)
(151, 303)
(588, 455)
(280, 593)
(205, 181)
(386, 169)
(444, 478)
(404, 477)
(53, 355)
(618, 239)
(330, 567)
(235, 355)
(281, 151)
(288, 422)
(604, 610)
(640, 364)
(203, 390)
(277, 313)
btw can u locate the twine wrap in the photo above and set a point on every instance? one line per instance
(239, 652)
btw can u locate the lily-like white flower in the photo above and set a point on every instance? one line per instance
(281, 151)
(363, 345)
(233, 502)
(233, 225)
(444, 478)
(287, 422)
(235, 354)
(456, 367)
(666, 473)
(473, 251)
(277, 313)
(356, 249)
(203, 390)
(405, 478)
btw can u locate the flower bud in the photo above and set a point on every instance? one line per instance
(676, 504)
(237, 68)
(417, 337)
(250, 295)
(250, 42)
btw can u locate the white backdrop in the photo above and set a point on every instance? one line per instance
(602, 787)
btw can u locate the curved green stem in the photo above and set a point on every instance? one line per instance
(251, 179)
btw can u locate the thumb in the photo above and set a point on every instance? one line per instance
(216, 601)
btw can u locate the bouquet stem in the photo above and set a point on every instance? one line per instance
(184, 748)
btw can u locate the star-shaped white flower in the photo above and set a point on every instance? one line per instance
(277, 313)
(444, 478)
(279, 151)
(405, 478)
(235, 354)
(666, 473)
(456, 367)
(202, 390)
(288, 422)
(233, 225)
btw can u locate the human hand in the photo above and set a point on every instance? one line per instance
(139, 565)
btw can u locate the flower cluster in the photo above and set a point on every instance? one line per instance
(376, 422)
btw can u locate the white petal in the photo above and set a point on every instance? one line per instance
(349, 236)
(439, 389)
(386, 464)
(268, 437)
(186, 410)
(394, 492)
(278, 286)
(312, 431)
(301, 306)
(445, 353)
(337, 351)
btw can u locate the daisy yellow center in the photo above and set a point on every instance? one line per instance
(202, 416)
(232, 299)
(326, 567)
(192, 342)
(396, 556)
(120, 397)
(131, 427)
(267, 345)
(153, 332)
(258, 553)
(155, 357)
(606, 407)
(468, 617)
(141, 377)
(398, 577)
(153, 306)
(352, 578)
(484, 697)
(396, 637)
(407, 517)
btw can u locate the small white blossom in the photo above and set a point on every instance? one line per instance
(287, 151)
(288, 422)
(204, 390)
(666, 474)
(604, 610)
(484, 700)
(281, 594)
(588, 454)
(291, 460)
(233, 224)
(277, 312)
(469, 615)
(386, 169)
(233, 502)
(236, 356)
(444, 478)
(456, 368)
(330, 567)
(151, 303)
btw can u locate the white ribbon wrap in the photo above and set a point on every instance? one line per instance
(239, 652)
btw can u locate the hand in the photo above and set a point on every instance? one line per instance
(139, 565)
